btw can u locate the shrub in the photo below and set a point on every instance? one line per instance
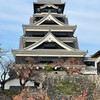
(66, 88)
(9, 93)
(48, 68)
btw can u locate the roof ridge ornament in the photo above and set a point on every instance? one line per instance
(49, 31)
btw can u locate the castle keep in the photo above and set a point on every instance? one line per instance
(49, 36)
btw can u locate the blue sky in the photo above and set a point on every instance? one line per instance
(85, 14)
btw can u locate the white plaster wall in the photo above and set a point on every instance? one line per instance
(98, 59)
(90, 72)
(15, 82)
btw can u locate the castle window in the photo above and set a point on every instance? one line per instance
(59, 10)
(38, 10)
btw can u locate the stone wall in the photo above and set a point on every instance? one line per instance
(88, 83)
(94, 78)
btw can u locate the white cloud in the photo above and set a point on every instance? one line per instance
(88, 25)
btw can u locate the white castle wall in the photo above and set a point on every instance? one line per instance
(15, 82)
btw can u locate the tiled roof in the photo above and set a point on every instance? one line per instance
(49, 1)
(96, 54)
(50, 27)
(49, 15)
(45, 38)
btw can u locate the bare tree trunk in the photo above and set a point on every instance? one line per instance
(22, 84)
(2, 86)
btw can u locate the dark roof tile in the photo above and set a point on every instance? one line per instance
(49, 1)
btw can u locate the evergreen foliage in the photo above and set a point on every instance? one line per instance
(48, 68)
(66, 88)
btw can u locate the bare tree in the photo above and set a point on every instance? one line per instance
(70, 65)
(5, 63)
(4, 72)
(75, 65)
(27, 72)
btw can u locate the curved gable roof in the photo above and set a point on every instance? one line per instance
(48, 5)
(49, 37)
(49, 16)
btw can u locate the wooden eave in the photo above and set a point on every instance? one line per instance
(49, 53)
(35, 39)
(56, 15)
(89, 59)
(47, 28)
